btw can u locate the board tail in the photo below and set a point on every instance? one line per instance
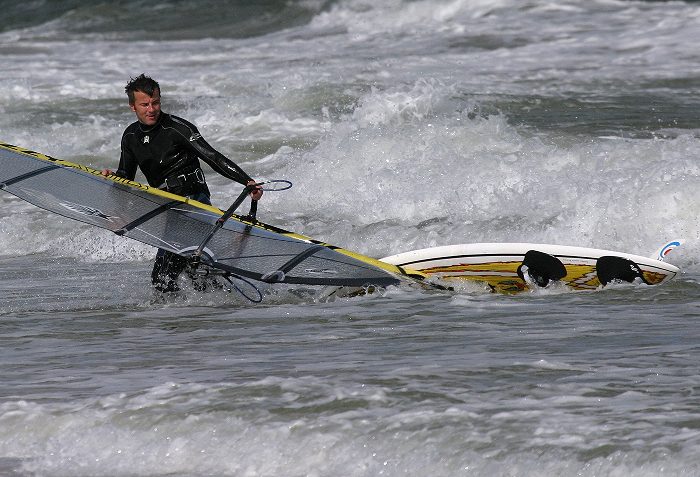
(667, 248)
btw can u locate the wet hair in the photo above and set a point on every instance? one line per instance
(141, 83)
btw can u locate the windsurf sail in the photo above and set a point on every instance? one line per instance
(249, 249)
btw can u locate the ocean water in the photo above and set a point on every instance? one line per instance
(402, 125)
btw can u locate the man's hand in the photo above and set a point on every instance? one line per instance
(256, 193)
(107, 172)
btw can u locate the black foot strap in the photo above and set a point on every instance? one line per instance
(541, 267)
(611, 268)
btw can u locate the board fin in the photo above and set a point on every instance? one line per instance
(541, 268)
(610, 267)
(666, 248)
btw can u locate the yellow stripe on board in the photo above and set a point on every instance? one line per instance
(503, 276)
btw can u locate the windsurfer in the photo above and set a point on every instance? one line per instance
(167, 149)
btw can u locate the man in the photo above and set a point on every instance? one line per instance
(167, 149)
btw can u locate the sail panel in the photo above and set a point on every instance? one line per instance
(177, 224)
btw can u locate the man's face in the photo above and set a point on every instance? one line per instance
(147, 108)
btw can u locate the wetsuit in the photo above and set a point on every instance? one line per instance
(168, 154)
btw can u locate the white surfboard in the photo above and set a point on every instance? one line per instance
(514, 267)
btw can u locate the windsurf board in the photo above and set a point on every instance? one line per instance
(515, 267)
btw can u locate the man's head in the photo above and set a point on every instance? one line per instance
(144, 99)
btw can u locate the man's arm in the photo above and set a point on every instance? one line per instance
(221, 163)
(218, 161)
(127, 163)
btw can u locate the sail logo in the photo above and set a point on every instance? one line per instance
(321, 271)
(85, 210)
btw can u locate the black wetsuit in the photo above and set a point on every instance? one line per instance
(170, 148)
(168, 154)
